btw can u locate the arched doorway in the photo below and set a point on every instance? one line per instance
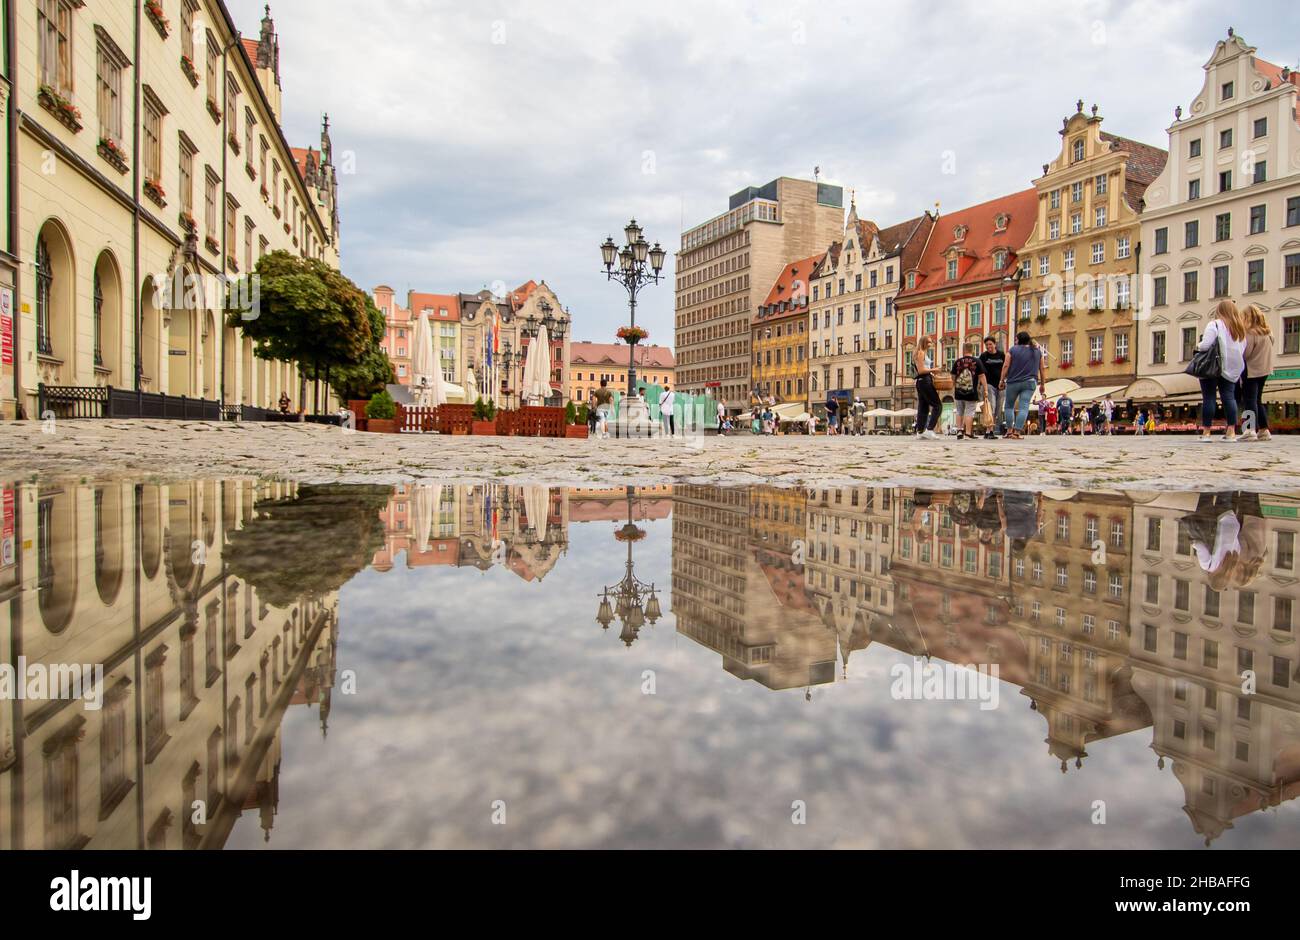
(107, 329)
(209, 346)
(56, 557)
(55, 305)
(151, 379)
(180, 352)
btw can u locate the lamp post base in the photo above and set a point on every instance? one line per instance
(634, 419)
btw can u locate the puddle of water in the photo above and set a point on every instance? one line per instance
(689, 666)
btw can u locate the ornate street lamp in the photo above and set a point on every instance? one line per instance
(634, 266)
(632, 600)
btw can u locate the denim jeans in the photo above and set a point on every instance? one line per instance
(1227, 390)
(1020, 394)
(1253, 400)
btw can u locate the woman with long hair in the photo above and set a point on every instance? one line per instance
(1259, 363)
(1228, 329)
(1024, 374)
(928, 405)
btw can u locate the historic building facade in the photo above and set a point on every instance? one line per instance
(853, 333)
(1223, 218)
(963, 287)
(152, 168)
(592, 362)
(723, 264)
(780, 335)
(1078, 269)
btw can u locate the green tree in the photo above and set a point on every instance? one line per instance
(309, 545)
(372, 373)
(301, 310)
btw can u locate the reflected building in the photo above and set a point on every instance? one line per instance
(1196, 636)
(1070, 587)
(198, 669)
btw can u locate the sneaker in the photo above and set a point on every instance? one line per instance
(929, 436)
(1205, 439)
(1247, 436)
(961, 435)
(1264, 435)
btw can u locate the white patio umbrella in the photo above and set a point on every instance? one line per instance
(537, 367)
(537, 502)
(428, 500)
(471, 387)
(426, 371)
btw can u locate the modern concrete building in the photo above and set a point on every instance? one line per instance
(1223, 220)
(151, 167)
(1078, 269)
(725, 267)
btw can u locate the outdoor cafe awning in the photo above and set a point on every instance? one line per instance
(1161, 387)
(1086, 396)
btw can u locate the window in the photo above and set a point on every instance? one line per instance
(1293, 211)
(1223, 226)
(1193, 190)
(1054, 229)
(212, 71)
(1225, 91)
(1076, 223)
(1189, 342)
(952, 270)
(1261, 172)
(1099, 217)
(109, 63)
(1225, 139)
(1121, 346)
(1044, 265)
(1098, 252)
(1076, 192)
(1123, 247)
(1194, 148)
(44, 290)
(1189, 286)
(1054, 199)
(186, 175)
(1260, 127)
(1255, 275)
(1191, 234)
(1158, 351)
(1291, 270)
(210, 204)
(1162, 241)
(1221, 281)
(1225, 181)
(1076, 151)
(188, 9)
(231, 207)
(1258, 219)
(248, 244)
(1067, 259)
(1067, 349)
(152, 127)
(1159, 290)
(249, 124)
(1291, 335)
(54, 34)
(1096, 347)
(1099, 185)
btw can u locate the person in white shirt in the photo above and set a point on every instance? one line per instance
(666, 411)
(722, 416)
(1228, 329)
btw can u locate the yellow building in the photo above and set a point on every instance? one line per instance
(1078, 269)
(131, 219)
(199, 666)
(780, 335)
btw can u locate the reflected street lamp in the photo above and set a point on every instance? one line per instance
(632, 601)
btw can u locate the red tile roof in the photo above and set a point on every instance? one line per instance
(975, 246)
(1274, 75)
(794, 275)
(1143, 165)
(300, 157)
(596, 354)
(416, 302)
(250, 46)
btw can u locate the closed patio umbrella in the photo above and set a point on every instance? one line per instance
(428, 501)
(426, 368)
(537, 368)
(537, 503)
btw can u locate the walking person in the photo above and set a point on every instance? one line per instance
(1259, 363)
(832, 415)
(666, 417)
(1228, 330)
(1064, 412)
(928, 405)
(968, 390)
(603, 398)
(1025, 372)
(993, 360)
(722, 417)
(1107, 412)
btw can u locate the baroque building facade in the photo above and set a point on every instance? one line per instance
(780, 335)
(151, 169)
(1223, 219)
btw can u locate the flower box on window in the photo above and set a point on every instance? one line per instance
(234, 142)
(154, 190)
(250, 170)
(266, 193)
(212, 245)
(187, 223)
(1066, 364)
(1067, 312)
(112, 151)
(286, 228)
(1095, 362)
(232, 263)
(1120, 360)
(187, 66)
(275, 211)
(214, 110)
(153, 9)
(1096, 307)
(69, 114)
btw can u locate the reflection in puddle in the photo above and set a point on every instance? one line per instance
(313, 662)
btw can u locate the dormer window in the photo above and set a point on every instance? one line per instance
(952, 269)
(999, 259)
(959, 232)
(1226, 91)
(911, 280)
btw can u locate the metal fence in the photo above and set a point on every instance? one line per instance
(85, 401)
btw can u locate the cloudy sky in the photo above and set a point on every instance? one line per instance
(496, 142)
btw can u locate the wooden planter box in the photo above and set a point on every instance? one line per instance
(484, 427)
(575, 430)
(381, 425)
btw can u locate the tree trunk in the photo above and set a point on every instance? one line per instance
(302, 394)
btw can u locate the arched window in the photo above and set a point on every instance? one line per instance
(99, 321)
(44, 288)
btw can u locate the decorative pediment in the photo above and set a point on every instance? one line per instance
(1189, 315)
(1291, 244)
(1221, 256)
(1289, 304)
(1158, 320)
(1000, 222)
(1161, 268)
(1255, 250)
(1191, 263)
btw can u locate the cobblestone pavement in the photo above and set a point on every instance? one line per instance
(310, 453)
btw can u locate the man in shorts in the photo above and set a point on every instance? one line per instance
(604, 398)
(969, 384)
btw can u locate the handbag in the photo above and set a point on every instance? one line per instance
(1206, 363)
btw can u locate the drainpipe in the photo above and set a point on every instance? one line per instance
(11, 130)
(136, 305)
(222, 209)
